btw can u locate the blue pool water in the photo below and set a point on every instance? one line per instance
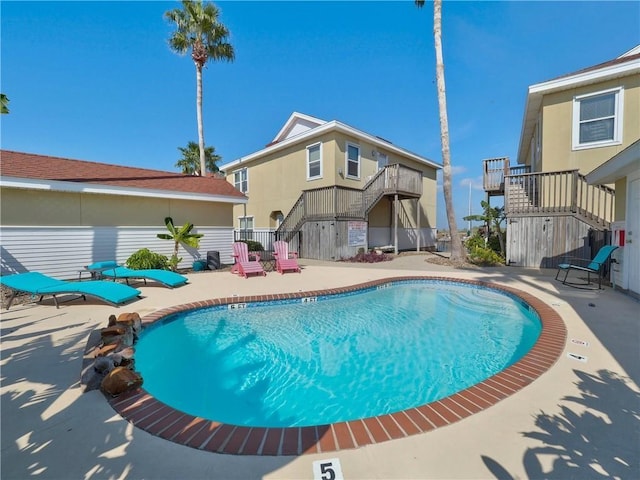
(342, 357)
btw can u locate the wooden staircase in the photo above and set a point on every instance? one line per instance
(344, 203)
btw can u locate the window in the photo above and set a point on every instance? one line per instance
(597, 119)
(240, 180)
(246, 228)
(353, 160)
(314, 161)
(383, 160)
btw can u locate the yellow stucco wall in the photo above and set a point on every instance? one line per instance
(21, 207)
(37, 207)
(557, 124)
(276, 181)
(620, 211)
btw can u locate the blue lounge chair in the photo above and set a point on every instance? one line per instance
(595, 266)
(36, 283)
(111, 269)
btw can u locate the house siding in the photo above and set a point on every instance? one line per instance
(557, 124)
(57, 233)
(62, 251)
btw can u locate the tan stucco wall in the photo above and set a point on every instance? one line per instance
(557, 124)
(21, 207)
(620, 211)
(37, 207)
(276, 181)
(380, 215)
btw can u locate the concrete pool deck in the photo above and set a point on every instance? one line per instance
(580, 419)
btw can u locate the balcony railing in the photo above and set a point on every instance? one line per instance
(559, 192)
(494, 172)
(335, 201)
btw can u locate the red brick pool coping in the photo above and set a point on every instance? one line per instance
(143, 411)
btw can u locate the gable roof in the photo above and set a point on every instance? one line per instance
(300, 128)
(298, 123)
(29, 170)
(624, 65)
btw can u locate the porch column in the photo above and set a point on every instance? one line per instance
(395, 224)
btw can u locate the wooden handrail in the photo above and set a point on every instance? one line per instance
(344, 202)
(564, 191)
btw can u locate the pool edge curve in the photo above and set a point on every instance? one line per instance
(142, 410)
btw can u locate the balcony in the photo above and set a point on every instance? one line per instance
(559, 193)
(494, 172)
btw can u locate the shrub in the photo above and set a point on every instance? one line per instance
(370, 257)
(253, 246)
(484, 256)
(474, 242)
(494, 241)
(144, 259)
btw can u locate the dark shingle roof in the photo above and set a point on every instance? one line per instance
(34, 166)
(610, 63)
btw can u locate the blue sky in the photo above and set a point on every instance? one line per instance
(96, 80)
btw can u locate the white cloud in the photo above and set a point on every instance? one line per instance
(458, 169)
(455, 170)
(476, 183)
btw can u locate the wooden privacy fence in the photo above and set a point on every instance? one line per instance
(549, 193)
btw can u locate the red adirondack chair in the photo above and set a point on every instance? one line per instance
(245, 266)
(285, 260)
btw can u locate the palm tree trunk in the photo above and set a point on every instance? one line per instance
(456, 244)
(501, 240)
(203, 170)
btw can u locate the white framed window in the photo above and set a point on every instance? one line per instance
(314, 161)
(597, 119)
(352, 154)
(240, 180)
(245, 226)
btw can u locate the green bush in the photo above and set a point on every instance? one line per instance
(253, 246)
(494, 241)
(474, 242)
(484, 256)
(144, 259)
(478, 241)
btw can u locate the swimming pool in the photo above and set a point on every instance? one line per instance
(334, 358)
(144, 411)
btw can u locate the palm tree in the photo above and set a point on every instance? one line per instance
(493, 217)
(4, 103)
(180, 235)
(190, 161)
(457, 252)
(198, 29)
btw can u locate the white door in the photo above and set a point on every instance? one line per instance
(632, 241)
